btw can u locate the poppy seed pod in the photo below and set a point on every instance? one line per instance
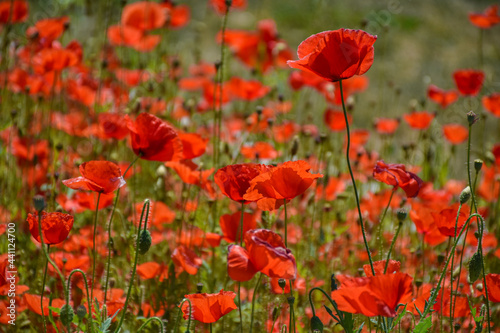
(478, 164)
(39, 202)
(282, 283)
(144, 242)
(465, 195)
(66, 314)
(472, 118)
(81, 311)
(401, 214)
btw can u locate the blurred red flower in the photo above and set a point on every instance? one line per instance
(50, 28)
(259, 150)
(154, 139)
(55, 226)
(234, 180)
(492, 104)
(455, 133)
(397, 176)
(220, 6)
(335, 120)
(187, 259)
(284, 182)
(469, 81)
(493, 283)
(246, 90)
(486, 19)
(446, 219)
(144, 15)
(336, 55)
(208, 308)
(19, 11)
(98, 176)
(419, 120)
(374, 296)
(53, 60)
(387, 125)
(442, 97)
(34, 304)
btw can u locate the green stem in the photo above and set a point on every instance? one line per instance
(87, 289)
(150, 320)
(451, 272)
(339, 319)
(387, 207)
(392, 245)
(176, 327)
(145, 208)
(353, 181)
(43, 289)
(254, 297)
(94, 251)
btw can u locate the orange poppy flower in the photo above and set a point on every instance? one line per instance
(469, 81)
(336, 55)
(144, 15)
(397, 176)
(152, 270)
(283, 133)
(208, 308)
(374, 296)
(124, 35)
(239, 264)
(193, 145)
(230, 225)
(259, 150)
(234, 180)
(186, 259)
(284, 182)
(419, 120)
(442, 97)
(112, 126)
(379, 266)
(51, 28)
(486, 19)
(445, 220)
(492, 104)
(19, 11)
(460, 308)
(387, 125)
(82, 201)
(34, 304)
(159, 214)
(53, 60)
(335, 120)
(493, 283)
(178, 15)
(55, 226)
(421, 215)
(98, 176)
(246, 90)
(154, 139)
(455, 133)
(220, 6)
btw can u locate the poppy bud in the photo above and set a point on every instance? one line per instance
(401, 214)
(465, 195)
(199, 287)
(282, 283)
(81, 311)
(295, 146)
(333, 283)
(66, 314)
(316, 324)
(144, 242)
(39, 202)
(472, 118)
(478, 164)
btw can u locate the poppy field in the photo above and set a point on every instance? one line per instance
(249, 166)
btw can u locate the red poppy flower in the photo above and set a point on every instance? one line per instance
(220, 6)
(493, 283)
(335, 120)
(208, 308)
(445, 220)
(486, 19)
(284, 182)
(178, 15)
(55, 226)
(492, 104)
(379, 267)
(421, 215)
(455, 133)
(397, 176)
(187, 259)
(442, 97)
(239, 264)
(246, 90)
(19, 11)
(469, 81)
(234, 180)
(460, 307)
(154, 139)
(152, 270)
(112, 126)
(374, 296)
(419, 120)
(230, 225)
(193, 145)
(336, 55)
(387, 125)
(98, 176)
(34, 304)
(51, 28)
(53, 60)
(82, 201)
(159, 214)
(144, 15)
(260, 150)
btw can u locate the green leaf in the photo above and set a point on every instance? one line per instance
(360, 328)
(348, 322)
(56, 310)
(423, 325)
(475, 267)
(398, 318)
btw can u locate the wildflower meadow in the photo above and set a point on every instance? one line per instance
(249, 166)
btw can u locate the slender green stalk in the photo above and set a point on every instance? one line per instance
(150, 320)
(387, 207)
(176, 327)
(353, 181)
(94, 250)
(451, 272)
(43, 289)
(109, 232)
(339, 319)
(145, 208)
(254, 297)
(392, 245)
(91, 326)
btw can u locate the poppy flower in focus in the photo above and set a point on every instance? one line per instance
(441, 97)
(455, 133)
(208, 308)
(234, 180)
(493, 283)
(446, 219)
(492, 104)
(154, 139)
(336, 55)
(379, 267)
(469, 81)
(374, 296)
(55, 226)
(220, 6)
(419, 120)
(186, 259)
(387, 125)
(98, 176)
(19, 11)
(486, 19)
(284, 182)
(230, 225)
(397, 176)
